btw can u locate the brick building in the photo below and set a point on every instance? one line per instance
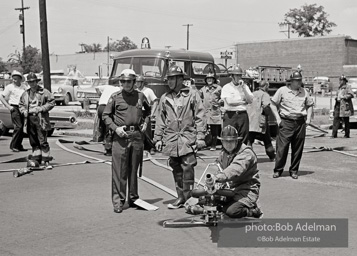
(329, 55)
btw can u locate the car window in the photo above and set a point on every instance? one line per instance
(98, 82)
(59, 80)
(120, 65)
(204, 68)
(148, 66)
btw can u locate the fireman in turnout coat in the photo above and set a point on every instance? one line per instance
(35, 104)
(127, 115)
(179, 131)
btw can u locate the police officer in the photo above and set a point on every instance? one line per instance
(35, 104)
(10, 97)
(179, 131)
(236, 95)
(292, 108)
(211, 95)
(125, 116)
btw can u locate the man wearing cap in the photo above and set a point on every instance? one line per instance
(343, 108)
(35, 104)
(292, 108)
(236, 95)
(238, 163)
(152, 99)
(211, 95)
(10, 97)
(127, 115)
(179, 131)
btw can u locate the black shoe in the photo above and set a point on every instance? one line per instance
(118, 210)
(22, 149)
(276, 175)
(15, 150)
(255, 213)
(132, 204)
(294, 176)
(333, 137)
(177, 204)
(347, 137)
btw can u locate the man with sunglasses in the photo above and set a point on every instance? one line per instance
(127, 115)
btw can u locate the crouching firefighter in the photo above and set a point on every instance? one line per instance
(35, 104)
(239, 170)
(179, 132)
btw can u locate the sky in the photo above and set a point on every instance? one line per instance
(217, 25)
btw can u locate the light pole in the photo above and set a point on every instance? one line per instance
(188, 33)
(108, 57)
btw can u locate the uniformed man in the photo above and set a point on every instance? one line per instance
(259, 112)
(35, 104)
(125, 116)
(239, 165)
(10, 97)
(236, 95)
(211, 95)
(292, 108)
(179, 131)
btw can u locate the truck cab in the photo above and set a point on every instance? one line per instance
(153, 65)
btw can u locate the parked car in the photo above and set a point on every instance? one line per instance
(90, 92)
(321, 83)
(4, 82)
(58, 120)
(64, 89)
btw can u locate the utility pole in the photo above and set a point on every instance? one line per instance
(44, 46)
(188, 33)
(108, 64)
(22, 26)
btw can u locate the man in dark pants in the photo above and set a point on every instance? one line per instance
(10, 97)
(125, 116)
(295, 109)
(179, 131)
(236, 96)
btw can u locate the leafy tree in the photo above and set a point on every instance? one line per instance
(31, 61)
(91, 47)
(121, 45)
(2, 65)
(309, 20)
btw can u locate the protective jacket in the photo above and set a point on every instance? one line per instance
(45, 100)
(240, 169)
(210, 96)
(180, 121)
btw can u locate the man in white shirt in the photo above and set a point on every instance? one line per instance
(105, 134)
(152, 99)
(236, 95)
(10, 97)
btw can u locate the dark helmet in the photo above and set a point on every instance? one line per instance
(32, 77)
(236, 70)
(140, 78)
(343, 77)
(296, 76)
(127, 74)
(175, 71)
(210, 75)
(229, 133)
(32, 163)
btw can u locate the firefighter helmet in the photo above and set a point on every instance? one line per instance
(296, 76)
(230, 138)
(127, 74)
(140, 78)
(343, 78)
(210, 75)
(236, 70)
(32, 77)
(175, 71)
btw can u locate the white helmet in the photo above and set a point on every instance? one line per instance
(127, 74)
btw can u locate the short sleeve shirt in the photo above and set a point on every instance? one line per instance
(107, 92)
(149, 94)
(235, 92)
(12, 93)
(292, 104)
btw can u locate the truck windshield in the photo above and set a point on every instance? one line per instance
(147, 66)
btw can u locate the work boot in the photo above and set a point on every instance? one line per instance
(276, 175)
(255, 212)
(270, 153)
(118, 209)
(177, 204)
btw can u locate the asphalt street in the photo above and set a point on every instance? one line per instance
(68, 210)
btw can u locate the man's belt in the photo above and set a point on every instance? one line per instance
(236, 111)
(33, 114)
(297, 118)
(13, 105)
(131, 128)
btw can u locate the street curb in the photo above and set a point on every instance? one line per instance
(74, 133)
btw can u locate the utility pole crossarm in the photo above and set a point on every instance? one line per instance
(22, 26)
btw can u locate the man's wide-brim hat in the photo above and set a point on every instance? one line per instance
(343, 78)
(32, 77)
(17, 73)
